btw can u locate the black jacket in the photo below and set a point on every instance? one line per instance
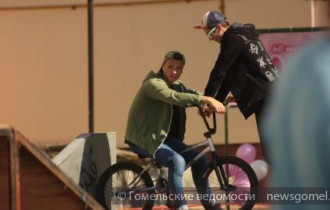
(243, 67)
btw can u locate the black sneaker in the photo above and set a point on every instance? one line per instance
(214, 207)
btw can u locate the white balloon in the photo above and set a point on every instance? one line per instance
(260, 167)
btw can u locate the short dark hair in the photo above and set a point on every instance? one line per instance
(176, 55)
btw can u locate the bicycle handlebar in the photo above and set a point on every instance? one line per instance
(213, 130)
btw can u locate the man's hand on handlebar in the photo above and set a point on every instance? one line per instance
(214, 106)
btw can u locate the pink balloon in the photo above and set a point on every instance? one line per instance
(260, 167)
(246, 152)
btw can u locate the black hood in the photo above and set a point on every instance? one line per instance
(247, 30)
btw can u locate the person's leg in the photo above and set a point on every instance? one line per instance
(198, 169)
(259, 119)
(176, 166)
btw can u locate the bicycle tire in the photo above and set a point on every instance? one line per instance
(112, 189)
(241, 192)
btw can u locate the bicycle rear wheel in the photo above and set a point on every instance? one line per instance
(241, 190)
(122, 186)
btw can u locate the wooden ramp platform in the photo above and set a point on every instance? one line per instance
(30, 180)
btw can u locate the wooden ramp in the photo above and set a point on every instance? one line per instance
(30, 180)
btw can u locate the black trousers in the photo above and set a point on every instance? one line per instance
(259, 114)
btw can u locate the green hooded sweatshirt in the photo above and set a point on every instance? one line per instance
(150, 115)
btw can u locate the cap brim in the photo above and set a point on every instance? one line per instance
(200, 27)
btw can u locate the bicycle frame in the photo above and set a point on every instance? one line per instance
(219, 171)
(210, 147)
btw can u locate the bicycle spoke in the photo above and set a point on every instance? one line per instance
(124, 187)
(239, 193)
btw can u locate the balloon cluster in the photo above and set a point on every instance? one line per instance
(247, 152)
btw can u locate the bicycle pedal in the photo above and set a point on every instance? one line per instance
(217, 207)
(229, 188)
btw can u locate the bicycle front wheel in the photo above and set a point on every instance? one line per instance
(124, 186)
(240, 192)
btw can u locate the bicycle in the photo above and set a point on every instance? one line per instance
(126, 185)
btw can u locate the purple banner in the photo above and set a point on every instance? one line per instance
(280, 45)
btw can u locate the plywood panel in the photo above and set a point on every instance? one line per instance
(40, 184)
(4, 173)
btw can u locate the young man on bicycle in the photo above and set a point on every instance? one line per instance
(156, 124)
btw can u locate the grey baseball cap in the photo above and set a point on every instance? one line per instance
(210, 19)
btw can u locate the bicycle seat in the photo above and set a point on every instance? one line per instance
(152, 160)
(144, 156)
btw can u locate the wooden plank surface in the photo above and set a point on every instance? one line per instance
(41, 184)
(4, 173)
